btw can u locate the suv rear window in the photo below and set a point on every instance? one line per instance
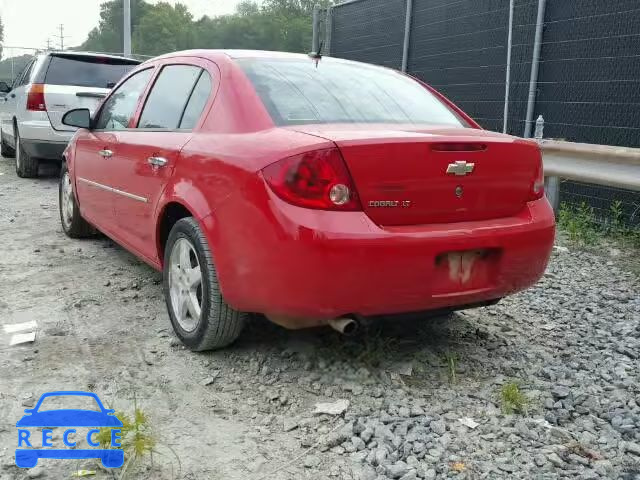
(87, 71)
(296, 91)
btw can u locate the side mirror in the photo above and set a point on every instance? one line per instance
(4, 88)
(79, 117)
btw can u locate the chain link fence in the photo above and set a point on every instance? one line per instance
(587, 87)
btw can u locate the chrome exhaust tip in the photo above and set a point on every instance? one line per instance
(346, 326)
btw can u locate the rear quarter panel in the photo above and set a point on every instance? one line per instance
(219, 165)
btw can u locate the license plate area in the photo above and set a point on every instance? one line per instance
(459, 271)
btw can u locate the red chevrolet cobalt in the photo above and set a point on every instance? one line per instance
(314, 191)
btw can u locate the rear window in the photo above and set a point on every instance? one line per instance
(99, 72)
(296, 91)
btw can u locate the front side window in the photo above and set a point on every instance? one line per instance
(168, 97)
(296, 91)
(119, 108)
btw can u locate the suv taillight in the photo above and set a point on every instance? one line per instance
(537, 189)
(318, 179)
(35, 98)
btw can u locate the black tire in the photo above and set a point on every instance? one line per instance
(73, 224)
(26, 165)
(5, 150)
(219, 325)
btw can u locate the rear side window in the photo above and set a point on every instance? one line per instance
(296, 91)
(196, 104)
(169, 96)
(87, 71)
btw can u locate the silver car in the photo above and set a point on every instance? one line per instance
(49, 86)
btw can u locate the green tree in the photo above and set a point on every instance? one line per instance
(164, 28)
(161, 28)
(108, 36)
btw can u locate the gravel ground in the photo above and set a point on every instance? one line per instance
(419, 399)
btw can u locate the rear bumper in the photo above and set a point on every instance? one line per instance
(44, 150)
(40, 140)
(318, 265)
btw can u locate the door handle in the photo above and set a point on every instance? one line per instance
(106, 153)
(157, 161)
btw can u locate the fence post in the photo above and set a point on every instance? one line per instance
(535, 64)
(551, 184)
(407, 35)
(508, 74)
(328, 27)
(316, 27)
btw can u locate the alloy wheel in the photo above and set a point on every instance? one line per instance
(66, 202)
(185, 284)
(18, 152)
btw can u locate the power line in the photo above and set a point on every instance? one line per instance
(61, 36)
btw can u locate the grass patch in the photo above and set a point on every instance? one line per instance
(137, 439)
(582, 226)
(451, 360)
(512, 400)
(579, 223)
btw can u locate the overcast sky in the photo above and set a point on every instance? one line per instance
(28, 23)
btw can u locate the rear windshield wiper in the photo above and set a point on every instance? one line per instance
(91, 94)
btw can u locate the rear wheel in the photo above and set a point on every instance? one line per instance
(199, 315)
(5, 149)
(26, 165)
(72, 222)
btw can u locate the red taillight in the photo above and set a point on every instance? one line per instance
(35, 98)
(317, 179)
(537, 189)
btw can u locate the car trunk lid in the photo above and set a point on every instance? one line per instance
(60, 99)
(407, 176)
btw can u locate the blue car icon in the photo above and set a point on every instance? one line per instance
(28, 457)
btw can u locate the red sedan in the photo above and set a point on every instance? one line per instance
(314, 191)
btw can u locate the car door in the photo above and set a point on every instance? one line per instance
(96, 148)
(148, 154)
(15, 102)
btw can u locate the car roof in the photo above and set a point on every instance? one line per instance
(232, 53)
(215, 54)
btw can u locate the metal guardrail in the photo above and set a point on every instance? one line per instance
(598, 164)
(604, 165)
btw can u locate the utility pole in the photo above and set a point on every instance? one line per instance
(127, 28)
(49, 45)
(61, 36)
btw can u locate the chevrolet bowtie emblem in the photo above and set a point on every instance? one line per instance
(460, 168)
